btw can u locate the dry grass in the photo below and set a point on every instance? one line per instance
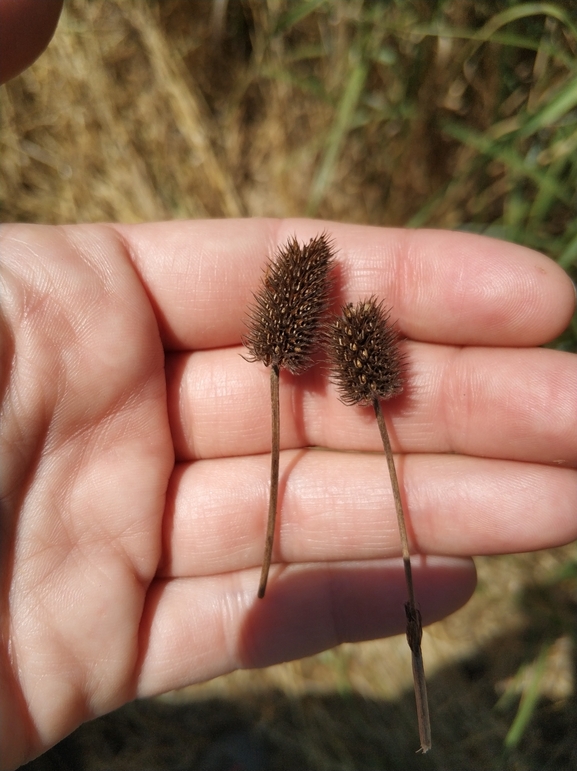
(446, 114)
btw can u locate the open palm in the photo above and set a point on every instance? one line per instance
(134, 466)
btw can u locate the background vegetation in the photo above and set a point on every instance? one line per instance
(437, 113)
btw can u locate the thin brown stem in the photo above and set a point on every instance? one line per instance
(397, 497)
(414, 625)
(274, 469)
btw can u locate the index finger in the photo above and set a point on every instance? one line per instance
(443, 286)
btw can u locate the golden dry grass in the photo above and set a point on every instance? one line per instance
(139, 111)
(135, 112)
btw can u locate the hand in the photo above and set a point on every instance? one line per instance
(26, 27)
(126, 574)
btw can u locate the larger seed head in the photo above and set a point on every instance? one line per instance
(285, 320)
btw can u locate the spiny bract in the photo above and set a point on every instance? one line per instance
(285, 320)
(364, 353)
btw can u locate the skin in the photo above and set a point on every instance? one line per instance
(134, 443)
(26, 28)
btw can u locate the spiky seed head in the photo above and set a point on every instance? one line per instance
(364, 353)
(284, 324)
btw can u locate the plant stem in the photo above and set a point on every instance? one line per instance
(414, 625)
(274, 468)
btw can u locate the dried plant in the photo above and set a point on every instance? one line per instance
(284, 330)
(367, 366)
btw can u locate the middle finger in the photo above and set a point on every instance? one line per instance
(519, 404)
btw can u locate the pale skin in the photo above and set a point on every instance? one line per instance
(134, 444)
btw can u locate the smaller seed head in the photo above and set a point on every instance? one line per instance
(364, 353)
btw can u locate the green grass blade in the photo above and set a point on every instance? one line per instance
(568, 257)
(308, 84)
(344, 118)
(555, 109)
(545, 197)
(490, 31)
(523, 10)
(510, 157)
(292, 17)
(528, 702)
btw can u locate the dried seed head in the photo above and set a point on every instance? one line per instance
(364, 353)
(285, 320)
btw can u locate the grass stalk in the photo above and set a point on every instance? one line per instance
(274, 473)
(414, 624)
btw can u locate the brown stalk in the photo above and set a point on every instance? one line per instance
(283, 331)
(367, 367)
(274, 468)
(414, 626)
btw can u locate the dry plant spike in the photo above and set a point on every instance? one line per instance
(367, 367)
(284, 330)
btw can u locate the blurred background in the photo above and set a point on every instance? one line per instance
(436, 113)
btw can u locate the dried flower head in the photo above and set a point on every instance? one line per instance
(285, 320)
(364, 353)
(284, 329)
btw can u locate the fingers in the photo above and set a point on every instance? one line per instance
(27, 27)
(339, 506)
(517, 404)
(307, 609)
(442, 286)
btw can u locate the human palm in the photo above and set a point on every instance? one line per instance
(134, 443)
(87, 454)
